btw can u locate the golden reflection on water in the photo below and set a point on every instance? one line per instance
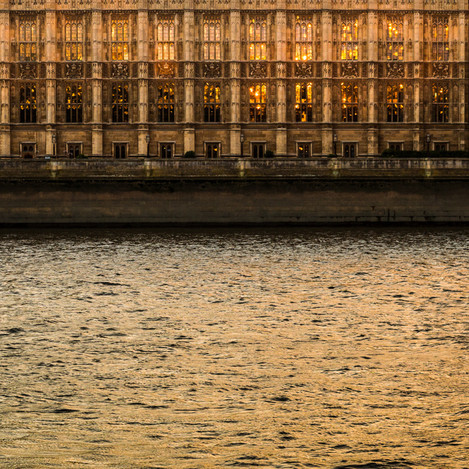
(252, 348)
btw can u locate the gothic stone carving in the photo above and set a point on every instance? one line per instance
(120, 70)
(349, 70)
(257, 70)
(212, 70)
(304, 70)
(74, 70)
(165, 69)
(27, 71)
(440, 70)
(394, 70)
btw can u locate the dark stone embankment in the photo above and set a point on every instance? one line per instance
(185, 192)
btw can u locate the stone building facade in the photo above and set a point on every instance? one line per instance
(232, 77)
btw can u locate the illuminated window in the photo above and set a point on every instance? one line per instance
(349, 102)
(349, 39)
(73, 41)
(257, 39)
(165, 39)
(394, 40)
(120, 40)
(440, 103)
(395, 102)
(28, 104)
(120, 102)
(303, 39)
(212, 37)
(28, 41)
(304, 102)
(212, 103)
(165, 103)
(74, 103)
(257, 103)
(440, 39)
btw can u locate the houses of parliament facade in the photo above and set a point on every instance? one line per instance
(225, 78)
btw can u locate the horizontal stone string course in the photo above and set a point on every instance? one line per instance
(230, 78)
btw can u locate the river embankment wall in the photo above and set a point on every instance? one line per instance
(237, 191)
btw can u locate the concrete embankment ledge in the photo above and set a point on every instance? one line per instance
(233, 191)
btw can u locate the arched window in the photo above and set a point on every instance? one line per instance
(212, 38)
(212, 103)
(165, 102)
(257, 103)
(440, 39)
(304, 102)
(120, 40)
(258, 39)
(120, 102)
(27, 43)
(74, 103)
(165, 34)
(73, 41)
(349, 93)
(440, 103)
(303, 39)
(395, 39)
(28, 104)
(349, 39)
(395, 102)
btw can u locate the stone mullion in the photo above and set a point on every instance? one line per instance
(50, 62)
(417, 73)
(96, 83)
(372, 40)
(5, 79)
(326, 57)
(235, 86)
(281, 43)
(142, 58)
(188, 26)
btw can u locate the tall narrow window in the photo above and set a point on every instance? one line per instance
(212, 103)
(28, 104)
(395, 39)
(165, 33)
(74, 103)
(257, 103)
(120, 102)
(440, 103)
(303, 39)
(165, 103)
(349, 39)
(120, 40)
(212, 37)
(28, 41)
(440, 39)
(349, 102)
(395, 102)
(258, 39)
(304, 102)
(73, 41)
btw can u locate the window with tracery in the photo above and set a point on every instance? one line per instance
(349, 39)
(73, 41)
(440, 103)
(212, 38)
(395, 102)
(257, 39)
(27, 43)
(74, 103)
(120, 102)
(303, 39)
(120, 40)
(28, 104)
(165, 34)
(349, 93)
(395, 39)
(165, 102)
(440, 39)
(258, 103)
(304, 102)
(212, 103)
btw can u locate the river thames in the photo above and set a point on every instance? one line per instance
(201, 348)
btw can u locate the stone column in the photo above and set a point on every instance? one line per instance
(281, 46)
(5, 147)
(96, 82)
(50, 59)
(188, 57)
(373, 143)
(142, 57)
(326, 57)
(417, 57)
(235, 86)
(462, 40)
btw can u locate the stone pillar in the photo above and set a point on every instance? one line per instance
(326, 57)
(96, 83)
(50, 58)
(281, 141)
(5, 146)
(142, 57)
(462, 40)
(188, 57)
(417, 57)
(235, 86)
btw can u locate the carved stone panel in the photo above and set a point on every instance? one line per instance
(440, 70)
(28, 71)
(212, 69)
(120, 70)
(394, 70)
(349, 70)
(74, 70)
(165, 69)
(304, 70)
(258, 70)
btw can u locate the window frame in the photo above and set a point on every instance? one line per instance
(257, 39)
(118, 41)
(120, 111)
(28, 49)
(258, 107)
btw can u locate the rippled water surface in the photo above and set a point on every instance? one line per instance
(234, 348)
